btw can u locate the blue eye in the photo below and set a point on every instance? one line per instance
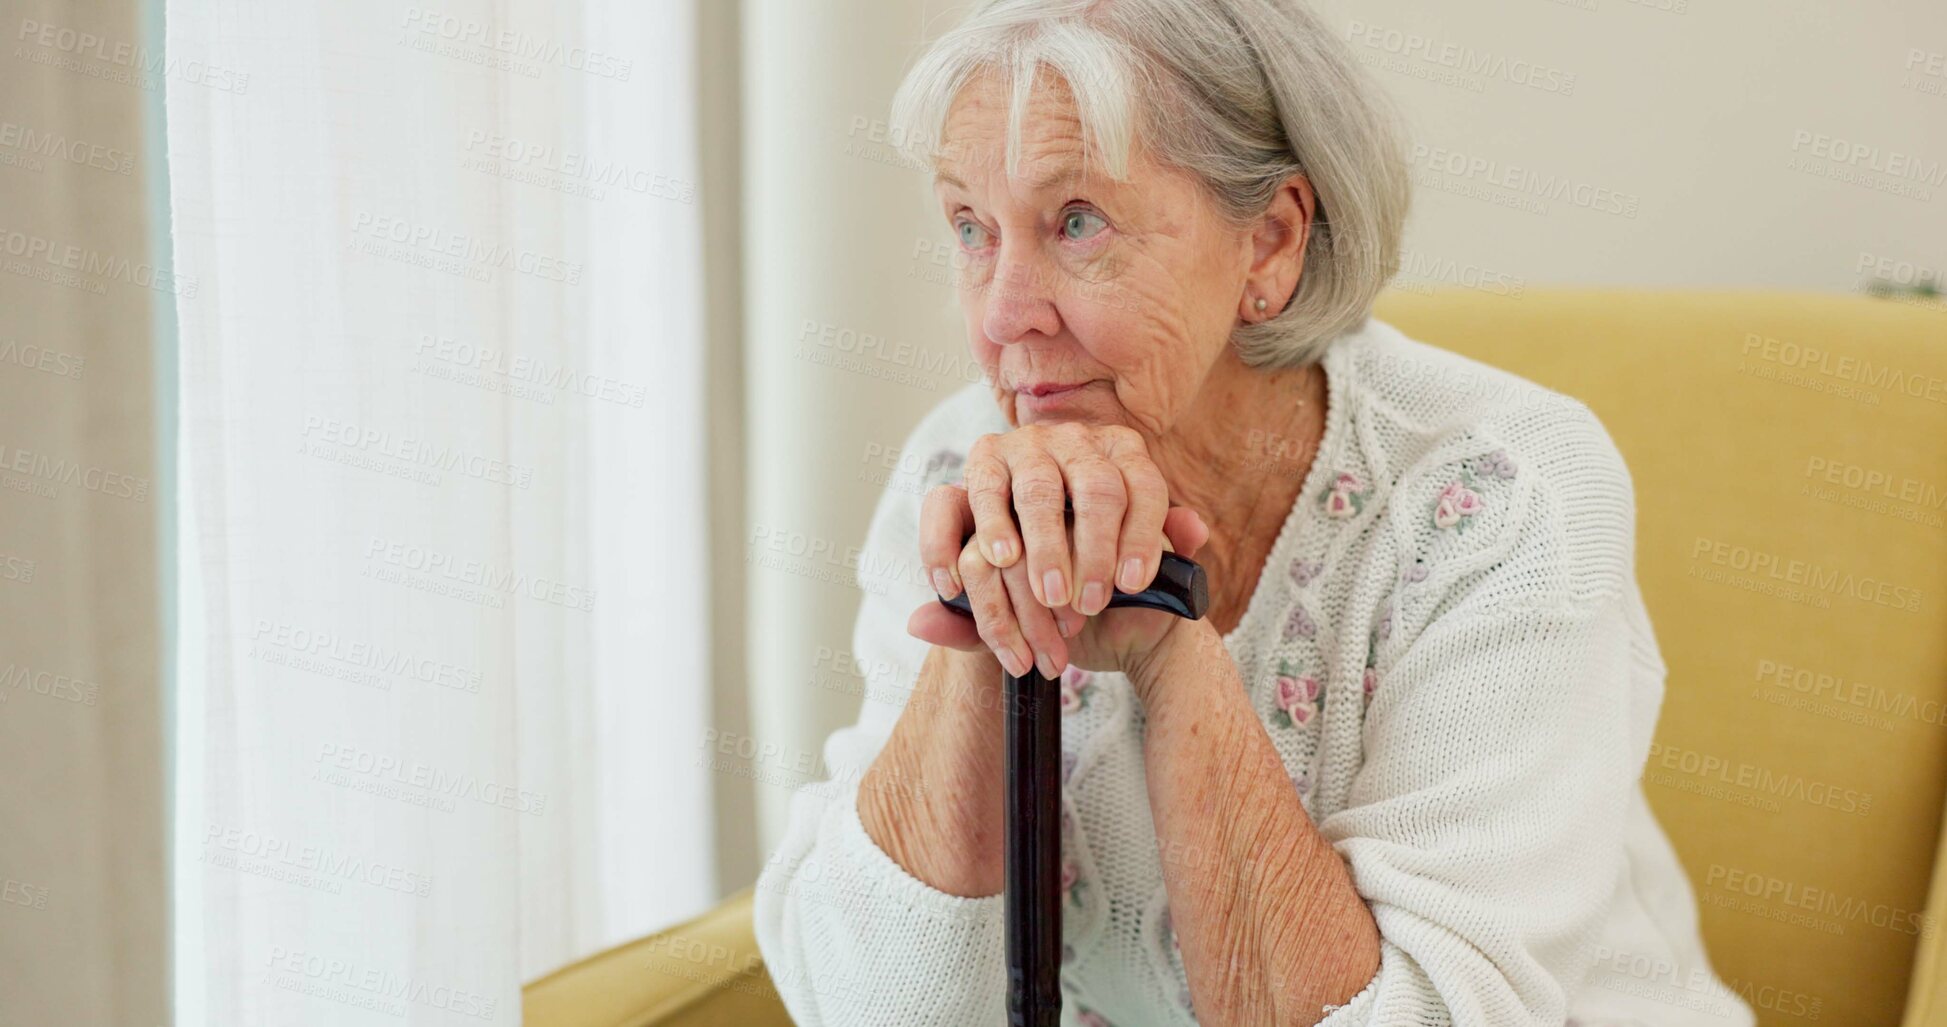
(1081, 224)
(972, 235)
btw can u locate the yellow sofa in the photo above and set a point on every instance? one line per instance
(1790, 459)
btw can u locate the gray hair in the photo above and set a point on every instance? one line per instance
(1242, 94)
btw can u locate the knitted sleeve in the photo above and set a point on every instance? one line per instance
(1485, 825)
(848, 936)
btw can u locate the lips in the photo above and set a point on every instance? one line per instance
(1049, 388)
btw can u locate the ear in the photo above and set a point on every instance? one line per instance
(1278, 250)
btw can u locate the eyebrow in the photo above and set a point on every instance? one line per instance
(1067, 171)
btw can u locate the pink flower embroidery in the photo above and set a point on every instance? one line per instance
(1091, 1018)
(1372, 681)
(1299, 698)
(1075, 685)
(1071, 884)
(1456, 502)
(1345, 496)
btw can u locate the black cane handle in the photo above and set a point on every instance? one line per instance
(1179, 588)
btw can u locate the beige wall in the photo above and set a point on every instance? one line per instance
(83, 931)
(1689, 149)
(1695, 137)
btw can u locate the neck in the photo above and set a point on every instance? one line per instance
(1238, 456)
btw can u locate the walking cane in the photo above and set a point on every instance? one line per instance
(1033, 833)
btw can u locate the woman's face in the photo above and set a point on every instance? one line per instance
(1086, 298)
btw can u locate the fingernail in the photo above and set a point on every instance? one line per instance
(1065, 626)
(1131, 578)
(1053, 588)
(943, 583)
(1013, 663)
(1000, 549)
(1047, 665)
(1093, 599)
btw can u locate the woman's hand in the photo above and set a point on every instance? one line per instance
(1036, 589)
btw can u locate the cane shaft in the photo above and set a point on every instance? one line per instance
(1033, 842)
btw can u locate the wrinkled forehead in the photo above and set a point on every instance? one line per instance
(1049, 155)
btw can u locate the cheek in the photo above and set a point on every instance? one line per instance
(1158, 359)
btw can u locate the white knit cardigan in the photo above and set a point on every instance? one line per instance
(1450, 652)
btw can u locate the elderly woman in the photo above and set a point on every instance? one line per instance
(1392, 778)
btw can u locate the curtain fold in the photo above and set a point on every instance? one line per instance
(84, 903)
(444, 674)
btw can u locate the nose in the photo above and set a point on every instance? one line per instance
(1019, 300)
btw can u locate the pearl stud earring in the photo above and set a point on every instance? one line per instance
(1261, 304)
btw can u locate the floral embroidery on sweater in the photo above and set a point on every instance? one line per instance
(1458, 501)
(1345, 496)
(1303, 571)
(1076, 684)
(1074, 890)
(1090, 1018)
(1299, 624)
(1175, 949)
(1382, 630)
(1417, 572)
(1299, 697)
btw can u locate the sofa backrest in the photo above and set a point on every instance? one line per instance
(1789, 456)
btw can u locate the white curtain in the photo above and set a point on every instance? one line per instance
(443, 678)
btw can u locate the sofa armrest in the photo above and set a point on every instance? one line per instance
(703, 971)
(1926, 997)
